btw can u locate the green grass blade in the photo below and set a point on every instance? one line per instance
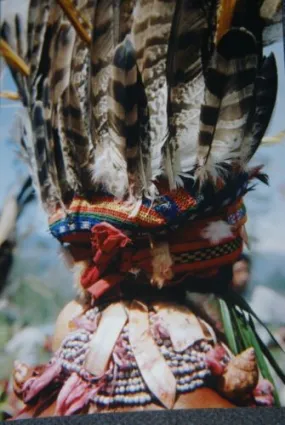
(235, 299)
(228, 327)
(268, 354)
(259, 347)
(241, 329)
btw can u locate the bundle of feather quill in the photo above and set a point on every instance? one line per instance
(121, 95)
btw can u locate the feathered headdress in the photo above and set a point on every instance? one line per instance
(142, 117)
(123, 95)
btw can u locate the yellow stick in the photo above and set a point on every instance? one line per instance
(9, 95)
(268, 140)
(73, 15)
(224, 19)
(80, 16)
(13, 59)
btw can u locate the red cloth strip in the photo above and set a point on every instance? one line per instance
(109, 244)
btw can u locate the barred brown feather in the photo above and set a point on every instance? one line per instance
(229, 97)
(60, 81)
(126, 18)
(151, 32)
(127, 104)
(49, 196)
(266, 91)
(151, 96)
(39, 13)
(122, 106)
(19, 36)
(50, 140)
(109, 168)
(271, 14)
(80, 67)
(68, 114)
(75, 108)
(9, 37)
(49, 84)
(101, 56)
(69, 79)
(184, 79)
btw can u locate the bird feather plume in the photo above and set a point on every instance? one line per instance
(184, 78)
(228, 100)
(127, 116)
(104, 39)
(157, 90)
(152, 21)
(38, 15)
(74, 109)
(271, 15)
(265, 97)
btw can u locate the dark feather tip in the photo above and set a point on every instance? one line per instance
(38, 116)
(5, 32)
(124, 57)
(266, 92)
(237, 43)
(264, 178)
(18, 26)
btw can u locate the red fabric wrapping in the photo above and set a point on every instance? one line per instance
(109, 243)
(263, 393)
(74, 395)
(106, 241)
(213, 360)
(35, 385)
(101, 286)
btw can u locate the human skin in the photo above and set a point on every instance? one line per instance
(241, 275)
(202, 398)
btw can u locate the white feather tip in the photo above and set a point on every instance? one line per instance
(217, 231)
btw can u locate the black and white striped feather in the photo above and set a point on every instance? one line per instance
(109, 156)
(152, 97)
(229, 96)
(128, 116)
(271, 15)
(185, 82)
(265, 95)
(152, 22)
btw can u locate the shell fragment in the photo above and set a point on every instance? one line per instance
(110, 326)
(153, 367)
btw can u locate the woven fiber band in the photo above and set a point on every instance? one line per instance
(112, 254)
(172, 210)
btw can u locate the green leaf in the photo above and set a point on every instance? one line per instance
(233, 298)
(247, 336)
(259, 346)
(268, 354)
(246, 333)
(228, 327)
(241, 331)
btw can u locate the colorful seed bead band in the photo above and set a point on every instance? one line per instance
(83, 216)
(123, 384)
(170, 210)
